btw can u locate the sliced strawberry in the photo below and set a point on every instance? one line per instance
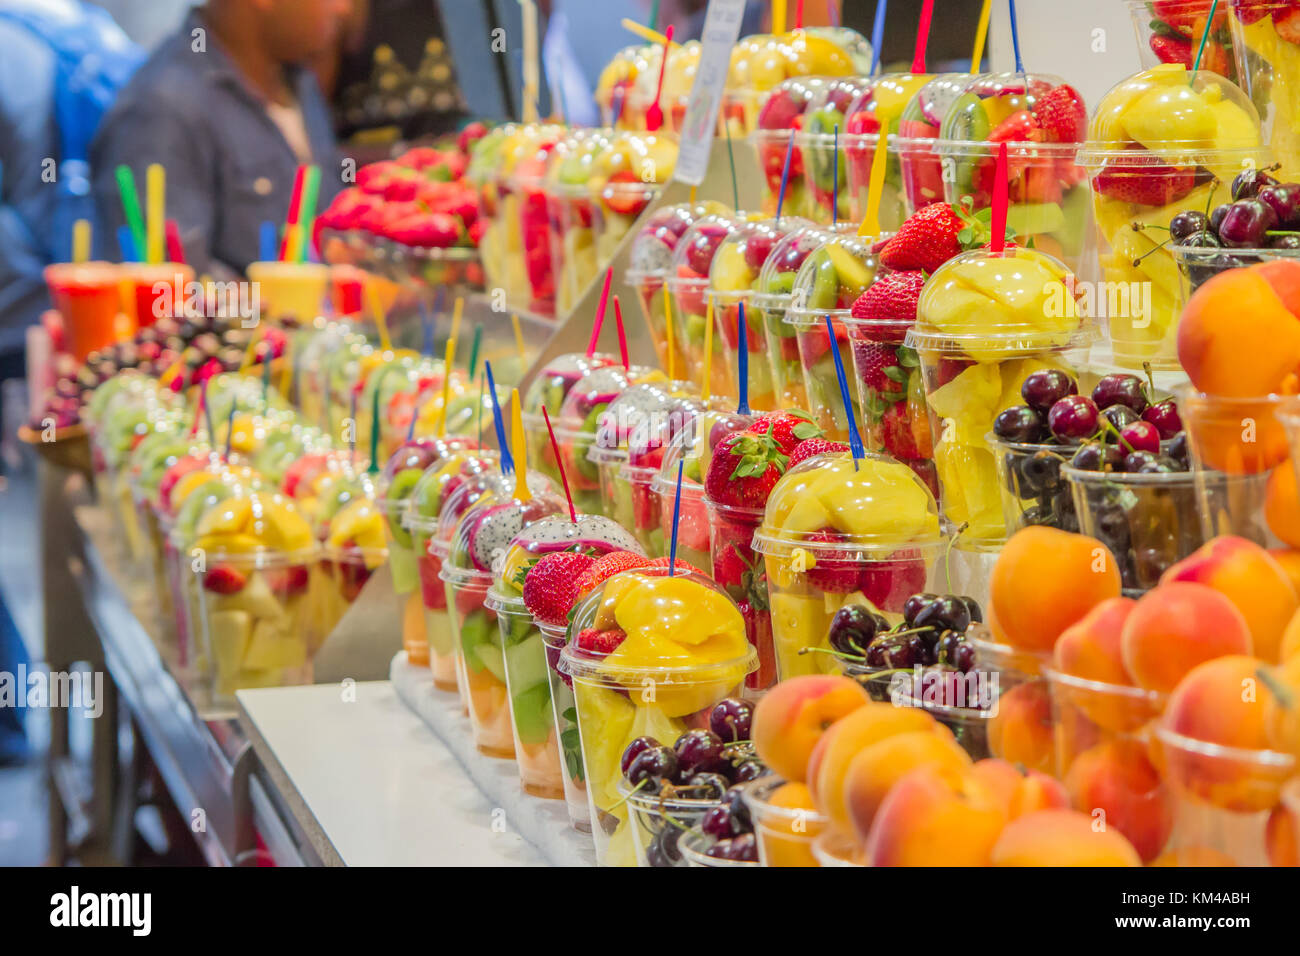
(878, 367)
(1019, 127)
(1154, 185)
(432, 588)
(288, 581)
(224, 579)
(1170, 48)
(469, 598)
(887, 584)
(1287, 24)
(600, 642)
(1061, 115)
(830, 571)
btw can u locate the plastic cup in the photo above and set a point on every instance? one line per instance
(1033, 490)
(785, 836)
(626, 176)
(651, 684)
(694, 845)
(773, 293)
(779, 119)
(879, 104)
(740, 570)
(655, 820)
(1196, 265)
(1088, 714)
(834, 848)
(566, 722)
(348, 570)
(1269, 63)
(1171, 33)
(570, 215)
(1013, 665)
(291, 293)
(528, 183)
(822, 148)
(88, 298)
(841, 531)
(154, 290)
(919, 128)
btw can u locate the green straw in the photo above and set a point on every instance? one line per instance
(1209, 25)
(731, 158)
(131, 206)
(473, 353)
(374, 435)
(307, 214)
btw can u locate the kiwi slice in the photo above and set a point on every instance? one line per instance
(967, 121)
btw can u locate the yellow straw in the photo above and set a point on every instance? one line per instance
(519, 448)
(644, 32)
(668, 336)
(81, 240)
(980, 32)
(252, 348)
(693, 195)
(778, 17)
(519, 339)
(381, 322)
(871, 222)
(708, 350)
(447, 363)
(156, 210)
(456, 311)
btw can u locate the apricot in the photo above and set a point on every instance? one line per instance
(1282, 504)
(1282, 837)
(1176, 626)
(1282, 707)
(794, 714)
(828, 765)
(785, 834)
(1090, 647)
(1288, 560)
(1193, 856)
(1062, 838)
(1228, 321)
(1018, 790)
(936, 816)
(1021, 731)
(879, 767)
(1117, 779)
(1237, 436)
(1249, 577)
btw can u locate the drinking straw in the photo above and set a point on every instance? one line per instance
(482, 384)
(600, 313)
(677, 514)
(206, 412)
(622, 335)
(878, 35)
(519, 446)
(457, 310)
(835, 179)
(131, 206)
(654, 15)
(1205, 36)
(559, 461)
(373, 467)
(742, 361)
(998, 222)
(175, 250)
(352, 438)
(778, 16)
(81, 240)
(295, 205)
(426, 326)
(798, 14)
(519, 338)
(507, 463)
(472, 368)
(875, 186)
(668, 338)
(155, 188)
(785, 175)
(381, 323)
(126, 244)
(415, 415)
(230, 426)
(655, 113)
(266, 241)
(731, 160)
(708, 350)
(981, 31)
(1015, 36)
(307, 213)
(266, 380)
(922, 36)
(448, 363)
(644, 32)
(855, 440)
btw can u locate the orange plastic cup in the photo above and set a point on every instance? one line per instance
(87, 296)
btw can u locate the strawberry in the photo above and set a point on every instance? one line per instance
(829, 571)
(1155, 185)
(626, 202)
(1061, 115)
(551, 585)
(814, 446)
(353, 576)
(606, 566)
(681, 567)
(432, 589)
(600, 642)
(888, 305)
(875, 363)
(926, 240)
(288, 581)
(1020, 127)
(469, 599)
(223, 579)
(787, 428)
(887, 584)
(897, 433)
(1171, 48)
(1287, 24)
(745, 468)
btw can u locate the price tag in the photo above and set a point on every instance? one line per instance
(721, 30)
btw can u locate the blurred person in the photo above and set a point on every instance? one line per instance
(230, 108)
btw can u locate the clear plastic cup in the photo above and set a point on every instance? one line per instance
(820, 143)
(506, 254)
(1269, 67)
(985, 322)
(694, 845)
(566, 723)
(919, 129)
(626, 176)
(1170, 32)
(880, 104)
(528, 183)
(291, 293)
(761, 61)
(780, 118)
(785, 834)
(655, 820)
(548, 391)
(570, 215)
(834, 848)
(154, 290)
(1163, 141)
(841, 531)
(1033, 490)
(685, 650)
(87, 296)
(615, 86)
(1197, 266)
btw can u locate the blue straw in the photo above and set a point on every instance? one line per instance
(835, 178)
(785, 175)
(1015, 36)
(126, 243)
(855, 440)
(507, 463)
(267, 244)
(742, 362)
(426, 323)
(877, 35)
(677, 513)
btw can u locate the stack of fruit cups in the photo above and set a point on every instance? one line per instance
(820, 143)
(625, 176)
(840, 531)
(1170, 31)
(779, 121)
(784, 827)
(1043, 121)
(255, 614)
(570, 218)
(760, 62)
(1266, 34)
(770, 301)
(1161, 142)
(519, 149)
(678, 634)
(285, 443)
(477, 551)
(528, 183)
(651, 264)
(548, 391)
(537, 744)
(733, 276)
(919, 129)
(145, 467)
(879, 105)
(828, 283)
(985, 321)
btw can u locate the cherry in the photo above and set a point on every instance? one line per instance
(1246, 224)
(1216, 217)
(1119, 416)
(1120, 389)
(749, 770)
(698, 750)
(1134, 461)
(1186, 223)
(973, 609)
(1019, 424)
(1283, 199)
(947, 613)
(634, 750)
(1073, 418)
(1177, 450)
(1164, 416)
(1285, 242)
(738, 849)
(712, 785)
(912, 606)
(1248, 183)
(1140, 436)
(731, 719)
(656, 765)
(1094, 456)
(1044, 388)
(717, 822)
(853, 628)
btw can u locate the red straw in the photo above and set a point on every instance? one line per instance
(999, 219)
(175, 251)
(622, 336)
(559, 461)
(798, 15)
(295, 206)
(600, 313)
(922, 36)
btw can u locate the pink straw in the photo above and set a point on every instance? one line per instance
(922, 36)
(559, 461)
(175, 251)
(999, 218)
(622, 335)
(600, 313)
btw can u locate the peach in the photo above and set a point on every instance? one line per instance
(880, 766)
(1229, 318)
(1117, 779)
(1251, 579)
(1045, 580)
(936, 816)
(1177, 626)
(1090, 647)
(1282, 837)
(1290, 640)
(1282, 504)
(1282, 707)
(1020, 791)
(794, 714)
(1288, 560)
(1062, 838)
(1193, 856)
(828, 765)
(785, 838)
(1021, 731)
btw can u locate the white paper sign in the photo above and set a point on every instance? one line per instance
(721, 30)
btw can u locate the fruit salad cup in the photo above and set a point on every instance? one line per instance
(840, 531)
(733, 282)
(566, 722)
(785, 829)
(477, 552)
(615, 87)
(1033, 489)
(528, 183)
(1161, 142)
(570, 214)
(919, 129)
(354, 548)
(1170, 31)
(821, 143)
(651, 264)
(779, 121)
(509, 255)
(1043, 122)
(985, 322)
(284, 443)
(651, 655)
(879, 106)
(828, 283)
(770, 302)
(1267, 39)
(548, 391)
(761, 62)
(626, 175)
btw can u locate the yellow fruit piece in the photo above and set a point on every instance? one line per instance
(273, 647)
(228, 636)
(852, 272)
(231, 516)
(730, 272)
(358, 522)
(1169, 119)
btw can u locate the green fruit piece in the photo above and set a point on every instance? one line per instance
(780, 283)
(531, 711)
(826, 282)
(826, 164)
(967, 120)
(526, 662)
(1034, 218)
(473, 636)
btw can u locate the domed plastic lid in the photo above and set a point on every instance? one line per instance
(983, 303)
(642, 419)
(486, 153)
(427, 501)
(285, 443)
(616, 81)
(775, 281)
(654, 244)
(553, 383)
(587, 398)
(483, 534)
(693, 256)
(682, 631)
(784, 105)
(192, 501)
(738, 261)
(830, 107)
(693, 446)
(923, 115)
(522, 145)
(572, 158)
(1170, 115)
(1016, 108)
(854, 44)
(830, 504)
(831, 279)
(406, 466)
(634, 160)
(258, 527)
(354, 484)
